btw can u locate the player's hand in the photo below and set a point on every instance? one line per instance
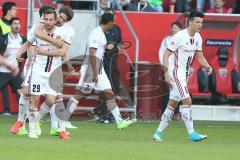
(209, 70)
(38, 49)
(18, 57)
(169, 80)
(13, 68)
(59, 43)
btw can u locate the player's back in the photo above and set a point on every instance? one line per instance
(97, 40)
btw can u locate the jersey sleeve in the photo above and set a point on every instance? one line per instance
(162, 50)
(31, 36)
(69, 38)
(93, 40)
(69, 35)
(174, 43)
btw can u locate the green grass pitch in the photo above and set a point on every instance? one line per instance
(93, 141)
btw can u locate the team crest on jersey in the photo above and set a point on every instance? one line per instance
(223, 72)
(172, 43)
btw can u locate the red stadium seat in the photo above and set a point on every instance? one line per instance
(223, 77)
(193, 84)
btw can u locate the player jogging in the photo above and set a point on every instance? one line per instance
(93, 75)
(184, 46)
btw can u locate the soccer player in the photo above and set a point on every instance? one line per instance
(42, 68)
(24, 100)
(93, 75)
(184, 46)
(65, 15)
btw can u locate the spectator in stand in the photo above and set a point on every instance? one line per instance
(142, 6)
(219, 8)
(124, 3)
(156, 4)
(237, 8)
(104, 4)
(182, 6)
(201, 4)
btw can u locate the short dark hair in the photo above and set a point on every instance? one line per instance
(51, 11)
(68, 11)
(194, 14)
(7, 6)
(106, 18)
(177, 24)
(43, 9)
(14, 19)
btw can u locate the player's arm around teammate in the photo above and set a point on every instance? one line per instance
(40, 34)
(55, 52)
(22, 50)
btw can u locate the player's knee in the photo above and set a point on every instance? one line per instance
(78, 97)
(173, 104)
(24, 92)
(50, 102)
(187, 101)
(32, 109)
(109, 95)
(35, 100)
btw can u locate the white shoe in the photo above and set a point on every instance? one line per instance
(106, 121)
(32, 135)
(6, 114)
(38, 129)
(69, 125)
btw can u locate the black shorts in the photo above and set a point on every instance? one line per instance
(7, 78)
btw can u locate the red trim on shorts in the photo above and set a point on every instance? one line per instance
(50, 64)
(175, 74)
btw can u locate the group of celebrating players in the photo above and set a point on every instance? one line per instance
(47, 46)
